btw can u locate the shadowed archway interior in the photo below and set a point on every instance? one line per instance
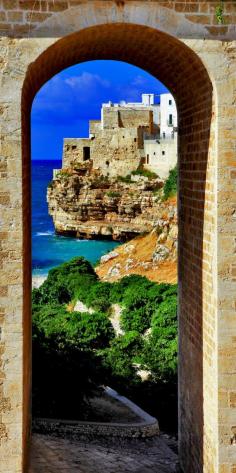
(180, 69)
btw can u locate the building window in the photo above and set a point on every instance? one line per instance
(86, 153)
(73, 147)
(163, 153)
(164, 135)
(170, 102)
(154, 154)
(170, 119)
(107, 163)
(147, 158)
(135, 139)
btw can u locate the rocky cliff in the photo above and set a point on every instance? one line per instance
(153, 255)
(85, 204)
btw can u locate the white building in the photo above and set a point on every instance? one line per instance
(160, 150)
(168, 116)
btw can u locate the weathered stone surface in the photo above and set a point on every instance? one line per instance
(60, 455)
(201, 75)
(95, 207)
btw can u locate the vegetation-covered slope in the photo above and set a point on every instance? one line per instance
(75, 353)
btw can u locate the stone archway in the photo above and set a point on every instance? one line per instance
(201, 76)
(184, 74)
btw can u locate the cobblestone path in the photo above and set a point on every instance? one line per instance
(56, 455)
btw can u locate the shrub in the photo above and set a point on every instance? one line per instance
(98, 297)
(113, 194)
(160, 352)
(120, 356)
(145, 173)
(62, 174)
(82, 330)
(141, 300)
(65, 282)
(125, 179)
(130, 283)
(170, 186)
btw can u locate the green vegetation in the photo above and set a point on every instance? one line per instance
(75, 353)
(145, 173)
(139, 172)
(126, 179)
(63, 174)
(170, 186)
(113, 194)
(219, 13)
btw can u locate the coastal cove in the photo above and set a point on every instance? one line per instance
(49, 249)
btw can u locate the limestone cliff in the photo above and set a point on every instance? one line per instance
(153, 255)
(86, 204)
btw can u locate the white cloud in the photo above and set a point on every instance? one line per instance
(139, 80)
(87, 80)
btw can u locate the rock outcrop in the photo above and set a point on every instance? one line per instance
(86, 204)
(153, 255)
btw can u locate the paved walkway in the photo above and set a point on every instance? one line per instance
(56, 455)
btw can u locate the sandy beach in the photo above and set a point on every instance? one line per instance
(37, 281)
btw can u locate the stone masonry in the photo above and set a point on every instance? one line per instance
(190, 46)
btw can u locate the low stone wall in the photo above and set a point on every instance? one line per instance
(77, 429)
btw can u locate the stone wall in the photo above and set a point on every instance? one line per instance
(92, 430)
(158, 162)
(173, 41)
(193, 19)
(113, 117)
(113, 152)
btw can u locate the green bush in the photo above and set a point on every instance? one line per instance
(83, 330)
(170, 186)
(160, 351)
(120, 356)
(113, 194)
(125, 179)
(98, 296)
(141, 300)
(65, 281)
(128, 284)
(145, 173)
(62, 174)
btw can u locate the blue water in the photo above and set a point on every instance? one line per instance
(48, 249)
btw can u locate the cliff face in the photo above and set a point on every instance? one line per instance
(153, 255)
(86, 204)
(93, 206)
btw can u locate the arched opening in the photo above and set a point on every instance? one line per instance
(185, 76)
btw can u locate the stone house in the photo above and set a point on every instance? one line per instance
(128, 134)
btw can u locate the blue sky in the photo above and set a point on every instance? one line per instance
(65, 104)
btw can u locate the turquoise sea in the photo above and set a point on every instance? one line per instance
(48, 249)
